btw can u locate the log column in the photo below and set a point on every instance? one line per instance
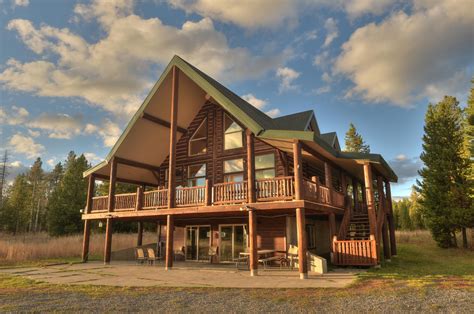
(108, 241)
(140, 234)
(355, 194)
(300, 212)
(391, 222)
(383, 211)
(169, 241)
(369, 195)
(250, 167)
(328, 180)
(112, 181)
(173, 130)
(253, 242)
(87, 223)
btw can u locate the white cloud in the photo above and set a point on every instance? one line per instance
(332, 31)
(21, 3)
(406, 168)
(275, 112)
(322, 59)
(108, 131)
(245, 13)
(93, 158)
(34, 133)
(322, 90)
(115, 72)
(17, 115)
(356, 8)
(326, 77)
(25, 145)
(287, 76)
(254, 101)
(59, 125)
(15, 164)
(409, 56)
(51, 162)
(401, 157)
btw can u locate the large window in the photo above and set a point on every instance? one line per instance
(233, 134)
(198, 142)
(265, 166)
(197, 175)
(234, 170)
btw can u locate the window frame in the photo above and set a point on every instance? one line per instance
(192, 139)
(226, 174)
(268, 168)
(188, 178)
(241, 131)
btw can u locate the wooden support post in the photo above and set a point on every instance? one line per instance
(250, 167)
(328, 180)
(85, 242)
(108, 241)
(391, 222)
(355, 194)
(112, 181)
(332, 231)
(173, 128)
(298, 170)
(302, 244)
(385, 240)
(90, 193)
(169, 241)
(208, 195)
(140, 234)
(158, 238)
(139, 202)
(253, 262)
(369, 192)
(383, 232)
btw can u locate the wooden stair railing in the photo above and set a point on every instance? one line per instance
(355, 252)
(346, 219)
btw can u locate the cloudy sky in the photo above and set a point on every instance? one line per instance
(72, 73)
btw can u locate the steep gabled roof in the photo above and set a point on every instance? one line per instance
(296, 121)
(331, 139)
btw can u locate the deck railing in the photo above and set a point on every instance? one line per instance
(275, 189)
(189, 196)
(100, 203)
(324, 196)
(125, 201)
(230, 193)
(310, 190)
(355, 252)
(338, 199)
(155, 199)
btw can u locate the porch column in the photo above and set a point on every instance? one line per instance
(90, 193)
(298, 170)
(112, 180)
(383, 211)
(85, 242)
(108, 241)
(140, 234)
(173, 129)
(250, 167)
(391, 222)
(332, 231)
(302, 244)
(328, 179)
(253, 242)
(369, 192)
(169, 241)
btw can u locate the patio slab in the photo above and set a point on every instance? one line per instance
(128, 274)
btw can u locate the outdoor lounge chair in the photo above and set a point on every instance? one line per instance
(140, 255)
(213, 251)
(152, 258)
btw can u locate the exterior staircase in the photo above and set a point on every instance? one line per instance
(359, 227)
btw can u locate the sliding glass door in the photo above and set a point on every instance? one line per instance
(197, 242)
(233, 240)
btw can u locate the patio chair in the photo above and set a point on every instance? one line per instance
(213, 251)
(140, 255)
(152, 258)
(179, 254)
(292, 255)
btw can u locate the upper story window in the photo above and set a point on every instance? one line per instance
(234, 170)
(198, 142)
(233, 134)
(197, 175)
(265, 166)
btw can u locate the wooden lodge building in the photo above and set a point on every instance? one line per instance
(215, 171)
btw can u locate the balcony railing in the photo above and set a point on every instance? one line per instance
(266, 190)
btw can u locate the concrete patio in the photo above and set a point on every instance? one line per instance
(182, 275)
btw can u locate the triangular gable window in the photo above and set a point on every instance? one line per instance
(198, 142)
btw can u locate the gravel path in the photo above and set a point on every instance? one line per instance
(401, 299)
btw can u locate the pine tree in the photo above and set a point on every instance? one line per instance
(469, 155)
(443, 174)
(355, 142)
(15, 217)
(3, 175)
(36, 179)
(416, 217)
(68, 198)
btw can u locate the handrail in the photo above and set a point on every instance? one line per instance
(355, 252)
(310, 189)
(155, 199)
(338, 199)
(125, 201)
(229, 193)
(188, 196)
(324, 196)
(99, 203)
(344, 227)
(277, 189)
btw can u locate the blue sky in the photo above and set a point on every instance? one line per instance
(72, 73)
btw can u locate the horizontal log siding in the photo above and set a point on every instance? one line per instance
(215, 156)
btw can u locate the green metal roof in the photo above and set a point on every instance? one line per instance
(293, 126)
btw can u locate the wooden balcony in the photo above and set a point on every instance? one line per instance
(228, 193)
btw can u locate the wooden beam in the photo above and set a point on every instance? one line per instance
(328, 180)
(90, 193)
(169, 241)
(250, 167)
(113, 177)
(162, 122)
(298, 170)
(139, 202)
(140, 234)
(369, 192)
(383, 211)
(136, 164)
(85, 242)
(391, 222)
(118, 179)
(173, 128)
(302, 244)
(108, 241)
(253, 242)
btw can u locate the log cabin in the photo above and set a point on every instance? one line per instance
(215, 171)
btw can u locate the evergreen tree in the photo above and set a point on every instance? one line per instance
(3, 175)
(15, 216)
(68, 198)
(416, 217)
(443, 175)
(38, 188)
(355, 142)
